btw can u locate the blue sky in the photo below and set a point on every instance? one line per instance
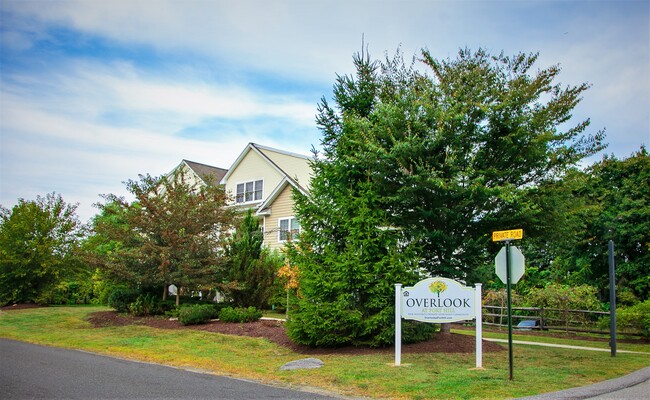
(93, 93)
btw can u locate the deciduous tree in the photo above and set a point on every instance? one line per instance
(38, 247)
(173, 233)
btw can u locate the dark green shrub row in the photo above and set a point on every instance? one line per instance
(196, 314)
(230, 314)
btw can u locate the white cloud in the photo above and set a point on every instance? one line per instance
(82, 123)
(57, 136)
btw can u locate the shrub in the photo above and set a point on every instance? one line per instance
(636, 317)
(145, 304)
(557, 301)
(196, 314)
(121, 298)
(103, 288)
(230, 314)
(68, 292)
(414, 331)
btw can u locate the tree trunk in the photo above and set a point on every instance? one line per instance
(165, 289)
(178, 295)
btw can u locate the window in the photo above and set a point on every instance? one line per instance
(249, 191)
(289, 229)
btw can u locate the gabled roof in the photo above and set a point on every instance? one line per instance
(286, 181)
(259, 150)
(207, 173)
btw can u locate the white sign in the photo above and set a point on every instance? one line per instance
(438, 300)
(517, 264)
(427, 301)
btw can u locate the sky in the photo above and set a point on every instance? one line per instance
(94, 93)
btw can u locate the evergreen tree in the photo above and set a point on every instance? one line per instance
(417, 170)
(348, 255)
(249, 270)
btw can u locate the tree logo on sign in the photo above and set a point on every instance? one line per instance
(437, 287)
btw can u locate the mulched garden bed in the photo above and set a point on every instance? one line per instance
(274, 331)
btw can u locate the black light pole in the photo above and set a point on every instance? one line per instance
(612, 300)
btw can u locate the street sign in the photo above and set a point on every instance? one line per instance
(517, 264)
(512, 234)
(509, 266)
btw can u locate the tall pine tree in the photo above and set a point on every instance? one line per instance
(349, 255)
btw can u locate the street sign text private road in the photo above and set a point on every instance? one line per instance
(512, 234)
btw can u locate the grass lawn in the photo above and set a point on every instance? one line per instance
(432, 375)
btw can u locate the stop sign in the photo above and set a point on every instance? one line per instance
(517, 264)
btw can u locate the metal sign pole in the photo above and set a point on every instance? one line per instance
(612, 300)
(508, 289)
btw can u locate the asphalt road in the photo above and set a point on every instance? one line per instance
(30, 371)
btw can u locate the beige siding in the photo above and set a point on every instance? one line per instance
(282, 207)
(296, 167)
(253, 167)
(190, 177)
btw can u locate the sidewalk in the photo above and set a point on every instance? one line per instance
(563, 346)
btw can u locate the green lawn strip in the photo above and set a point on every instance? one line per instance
(423, 376)
(645, 348)
(273, 314)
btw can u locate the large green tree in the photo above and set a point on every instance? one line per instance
(39, 240)
(173, 233)
(440, 155)
(614, 197)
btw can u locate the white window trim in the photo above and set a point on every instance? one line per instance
(244, 183)
(280, 240)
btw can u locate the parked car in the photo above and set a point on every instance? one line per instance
(528, 324)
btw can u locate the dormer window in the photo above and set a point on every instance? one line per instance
(249, 191)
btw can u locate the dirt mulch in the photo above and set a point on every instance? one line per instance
(274, 331)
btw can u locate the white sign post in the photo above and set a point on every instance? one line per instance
(438, 300)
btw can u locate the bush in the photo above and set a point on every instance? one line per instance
(230, 314)
(103, 288)
(122, 298)
(415, 332)
(196, 314)
(558, 300)
(636, 318)
(68, 293)
(145, 304)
